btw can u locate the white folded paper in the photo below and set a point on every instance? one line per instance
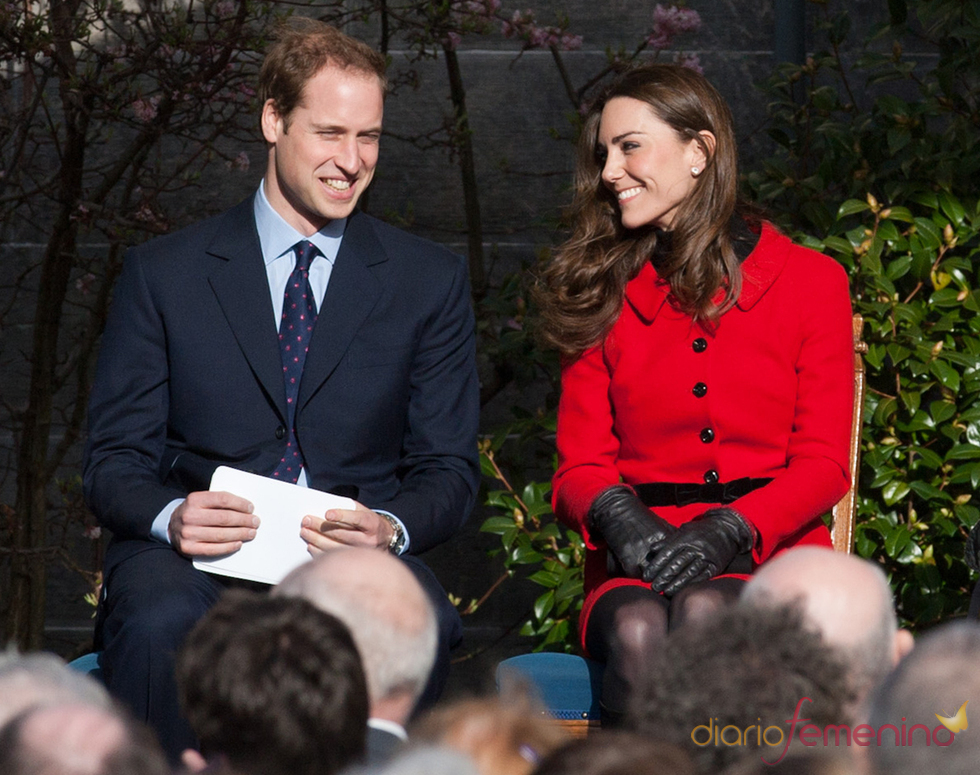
(277, 547)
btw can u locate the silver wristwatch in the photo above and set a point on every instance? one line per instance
(398, 537)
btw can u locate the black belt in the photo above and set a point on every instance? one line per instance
(655, 494)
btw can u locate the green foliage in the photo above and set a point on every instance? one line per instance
(530, 538)
(884, 120)
(893, 138)
(916, 284)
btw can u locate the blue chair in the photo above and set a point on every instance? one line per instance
(569, 686)
(89, 664)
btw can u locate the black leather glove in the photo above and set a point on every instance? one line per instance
(631, 530)
(699, 550)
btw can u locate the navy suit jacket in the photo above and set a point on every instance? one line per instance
(190, 377)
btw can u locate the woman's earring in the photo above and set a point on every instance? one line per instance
(695, 171)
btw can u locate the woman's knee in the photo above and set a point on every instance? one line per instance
(638, 625)
(699, 602)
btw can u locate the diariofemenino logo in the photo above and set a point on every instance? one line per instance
(776, 737)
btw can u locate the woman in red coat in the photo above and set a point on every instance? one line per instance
(706, 387)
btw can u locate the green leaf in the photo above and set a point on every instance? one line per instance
(942, 410)
(543, 605)
(928, 491)
(951, 207)
(486, 467)
(850, 207)
(496, 525)
(897, 541)
(898, 354)
(894, 491)
(545, 578)
(963, 452)
(927, 457)
(946, 374)
(929, 233)
(900, 214)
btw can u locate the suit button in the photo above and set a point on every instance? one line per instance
(707, 435)
(700, 344)
(711, 476)
(699, 390)
(280, 433)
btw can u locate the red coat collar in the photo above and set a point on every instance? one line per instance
(647, 294)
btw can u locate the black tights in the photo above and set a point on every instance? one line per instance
(628, 623)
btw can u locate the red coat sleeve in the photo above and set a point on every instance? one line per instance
(816, 474)
(587, 445)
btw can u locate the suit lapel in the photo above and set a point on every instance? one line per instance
(240, 282)
(352, 293)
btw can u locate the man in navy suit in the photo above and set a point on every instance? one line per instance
(195, 371)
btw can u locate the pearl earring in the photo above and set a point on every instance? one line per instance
(695, 171)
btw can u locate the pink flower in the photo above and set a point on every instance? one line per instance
(145, 110)
(85, 283)
(452, 40)
(671, 21)
(240, 162)
(92, 532)
(690, 61)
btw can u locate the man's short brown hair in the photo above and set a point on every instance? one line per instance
(303, 47)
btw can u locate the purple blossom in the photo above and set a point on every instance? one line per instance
(523, 25)
(518, 21)
(240, 162)
(224, 9)
(85, 283)
(669, 22)
(452, 40)
(690, 61)
(146, 109)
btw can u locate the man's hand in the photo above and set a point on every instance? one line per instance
(208, 524)
(346, 527)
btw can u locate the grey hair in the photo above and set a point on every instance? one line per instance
(396, 657)
(36, 679)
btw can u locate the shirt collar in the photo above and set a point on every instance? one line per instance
(277, 237)
(387, 725)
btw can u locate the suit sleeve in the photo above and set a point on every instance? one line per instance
(817, 472)
(128, 412)
(587, 446)
(439, 469)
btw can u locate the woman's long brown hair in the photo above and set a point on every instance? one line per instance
(580, 292)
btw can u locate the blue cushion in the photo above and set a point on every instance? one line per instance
(568, 685)
(88, 663)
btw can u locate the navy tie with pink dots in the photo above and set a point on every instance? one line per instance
(295, 330)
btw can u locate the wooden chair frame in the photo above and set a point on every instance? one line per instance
(842, 521)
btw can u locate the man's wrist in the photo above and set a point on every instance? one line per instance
(399, 538)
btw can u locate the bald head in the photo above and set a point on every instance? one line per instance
(387, 612)
(847, 598)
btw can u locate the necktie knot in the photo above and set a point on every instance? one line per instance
(306, 251)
